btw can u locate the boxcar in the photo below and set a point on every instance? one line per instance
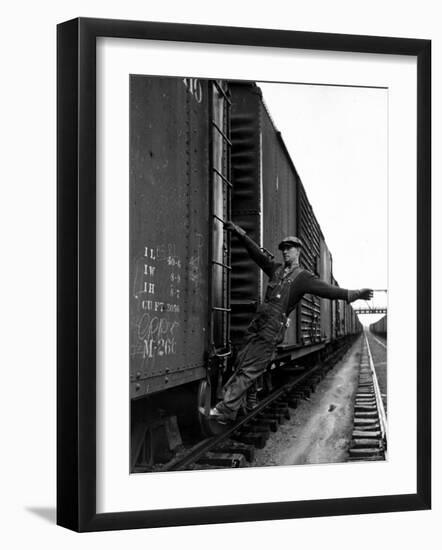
(380, 327)
(179, 197)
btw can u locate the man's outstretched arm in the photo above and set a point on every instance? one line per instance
(263, 260)
(324, 290)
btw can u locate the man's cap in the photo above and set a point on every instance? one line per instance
(294, 241)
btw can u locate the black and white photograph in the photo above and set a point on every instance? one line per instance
(258, 296)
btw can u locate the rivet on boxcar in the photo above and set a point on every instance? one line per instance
(166, 379)
(137, 386)
(138, 374)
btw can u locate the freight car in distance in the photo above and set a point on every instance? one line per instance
(203, 152)
(380, 327)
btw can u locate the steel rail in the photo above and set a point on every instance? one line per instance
(382, 416)
(203, 447)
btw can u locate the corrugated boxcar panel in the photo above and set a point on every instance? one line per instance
(279, 198)
(340, 318)
(246, 204)
(335, 312)
(310, 310)
(169, 215)
(326, 305)
(347, 319)
(310, 233)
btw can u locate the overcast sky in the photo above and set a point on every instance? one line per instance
(337, 138)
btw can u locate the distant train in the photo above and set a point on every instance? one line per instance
(380, 327)
(203, 152)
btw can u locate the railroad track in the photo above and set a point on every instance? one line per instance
(369, 437)
(235, 446)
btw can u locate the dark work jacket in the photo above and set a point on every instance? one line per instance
(283, 294)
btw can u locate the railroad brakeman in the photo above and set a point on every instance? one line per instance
(288, 282)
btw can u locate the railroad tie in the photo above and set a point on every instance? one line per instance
(366, 442)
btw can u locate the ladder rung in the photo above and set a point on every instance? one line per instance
(222, 92)
(221, 309)
(219, 219)
(243, 302)
(221, 264)
(225, 180)
(223, 135)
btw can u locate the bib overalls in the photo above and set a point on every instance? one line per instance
(264, 333)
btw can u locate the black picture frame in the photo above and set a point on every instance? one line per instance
(76, 274)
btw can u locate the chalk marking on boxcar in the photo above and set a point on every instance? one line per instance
(195, 262)
(157, 335)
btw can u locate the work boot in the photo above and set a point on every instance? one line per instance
(218, 416)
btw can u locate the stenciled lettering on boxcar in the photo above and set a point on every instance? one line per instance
(194, 87)
(157, 289)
